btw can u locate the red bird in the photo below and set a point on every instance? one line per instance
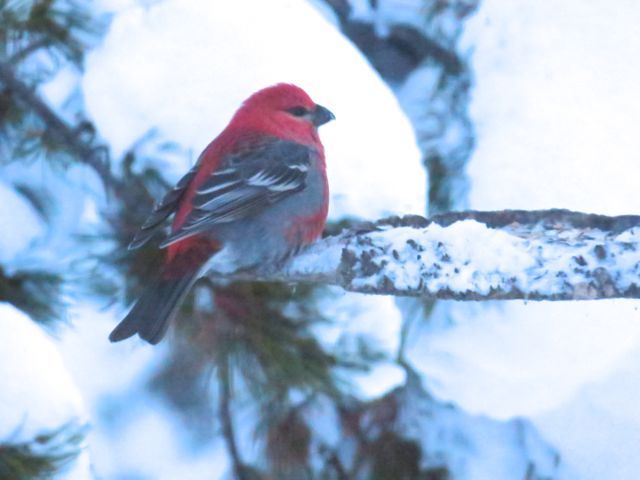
(257, 194)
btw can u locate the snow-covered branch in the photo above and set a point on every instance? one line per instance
(511, 254)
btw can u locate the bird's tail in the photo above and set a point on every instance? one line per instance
(153, 311)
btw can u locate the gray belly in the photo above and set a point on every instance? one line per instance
(261, 241)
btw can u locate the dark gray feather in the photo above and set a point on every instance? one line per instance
(245, 184)
(163, 209)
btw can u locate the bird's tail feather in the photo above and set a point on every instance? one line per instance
(151, 314)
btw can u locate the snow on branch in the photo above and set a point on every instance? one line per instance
(510, 254)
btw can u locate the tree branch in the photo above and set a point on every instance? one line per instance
(503, 255)
(224, 412)
(93, 156)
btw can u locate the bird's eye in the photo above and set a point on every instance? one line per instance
(298, 111)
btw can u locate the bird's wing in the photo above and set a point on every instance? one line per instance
(163, 209)
(245, 184)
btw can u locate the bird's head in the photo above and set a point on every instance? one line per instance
(284, 110)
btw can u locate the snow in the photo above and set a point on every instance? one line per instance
(151, 447)
(14, 241)
(87, 338)
(355, 320)
(476, 446)
(516, 360)
(455, 257)
(195, 55)
(39, 395)
(601, 421)
(558, 103)
(60, 89)
(130, 426)
(378, 380)
(318, 258)
(51, 244)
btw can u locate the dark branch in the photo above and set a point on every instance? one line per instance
(28, 50)
(224, 413)
(93, 156)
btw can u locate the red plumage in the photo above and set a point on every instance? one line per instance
(257, 194)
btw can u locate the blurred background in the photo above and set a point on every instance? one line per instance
(441, 105)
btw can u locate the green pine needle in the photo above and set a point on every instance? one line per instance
(35, 292)
(42, 458)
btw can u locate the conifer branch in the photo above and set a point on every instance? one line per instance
(224, 413)
(95, 157)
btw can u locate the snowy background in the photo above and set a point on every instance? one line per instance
(555, 109)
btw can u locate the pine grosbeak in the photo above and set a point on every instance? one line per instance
(257, 194)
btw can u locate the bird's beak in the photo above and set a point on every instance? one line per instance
(321, 115)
